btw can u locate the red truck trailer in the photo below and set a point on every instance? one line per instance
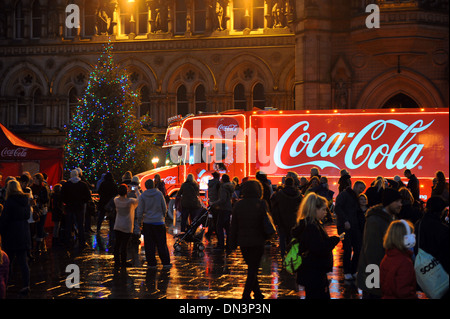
(367, 143)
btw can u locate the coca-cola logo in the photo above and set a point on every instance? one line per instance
(170, 180)
(227, 127)
(14, 152)
(401, 153)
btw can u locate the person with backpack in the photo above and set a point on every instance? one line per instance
(285, 204)
(315, 246)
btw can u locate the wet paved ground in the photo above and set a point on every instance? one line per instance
(214, 275)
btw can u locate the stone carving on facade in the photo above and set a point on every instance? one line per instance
(104, 18)
(218, 14)
(158, 15)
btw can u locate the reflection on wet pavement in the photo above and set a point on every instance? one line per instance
(210, 275)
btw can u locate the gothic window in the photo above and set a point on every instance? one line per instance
(180, 16)
(257, 14)
(19, 19)
(248, 14)
(38, 108)
(73, 100)
(199, 16)
(142, 18)
(200, 99)
(36, 19)
(89, 18)
(125, 16)
(22, 109)
(259, 99)
(240, 102)
(400, 101)
(239, 15)
(144, 108)
(182, 102)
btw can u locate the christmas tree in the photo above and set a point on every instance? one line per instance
(104, 134)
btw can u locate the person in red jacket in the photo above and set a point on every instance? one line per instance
(397, 275)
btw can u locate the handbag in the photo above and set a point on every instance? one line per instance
(430, 275)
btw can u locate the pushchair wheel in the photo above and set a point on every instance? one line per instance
(200, 247)
(177, 247)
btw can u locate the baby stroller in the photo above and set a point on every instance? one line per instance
(194, 232)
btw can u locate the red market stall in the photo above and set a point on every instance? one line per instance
(18, 155)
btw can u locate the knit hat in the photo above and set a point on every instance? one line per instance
(390, 195)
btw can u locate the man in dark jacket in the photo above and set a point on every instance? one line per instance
(75, 194)
(347, 207)
(285, 205)
(190, 204)
(224, 208)
(413, 184)
(213, 195)
(378, 219)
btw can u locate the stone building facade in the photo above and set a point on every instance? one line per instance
(187, 56)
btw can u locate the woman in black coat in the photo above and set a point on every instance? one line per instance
(107, 190)
(15, 230)
(316, 247)
(247, 232)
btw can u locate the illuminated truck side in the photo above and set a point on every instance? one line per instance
(367, 143)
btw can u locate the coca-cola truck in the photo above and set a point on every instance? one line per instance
(367, 143)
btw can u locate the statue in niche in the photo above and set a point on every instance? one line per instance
(104, 23)
(159, 17)
(218, 8)
(277, 13)
(341, 94)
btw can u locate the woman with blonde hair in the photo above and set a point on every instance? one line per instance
(316, 247)
(15, 230)
(397, 275)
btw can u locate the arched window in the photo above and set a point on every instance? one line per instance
(200, 99)
(73, 100)
(248, 14)
(200, 16)
(125, 16)
(180, 16)
(22, 108)
(36, 20)
(38, 108)
(240, 102)
(182, 102)
(142, 17)
(259, 99)
(89, 18)
(19, 20)
(400, 101)
(144, 108)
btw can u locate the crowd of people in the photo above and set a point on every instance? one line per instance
(369, 221)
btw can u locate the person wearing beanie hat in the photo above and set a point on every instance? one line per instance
(378, 219)
(392, 201)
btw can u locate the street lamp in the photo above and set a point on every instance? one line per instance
(155, 161)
